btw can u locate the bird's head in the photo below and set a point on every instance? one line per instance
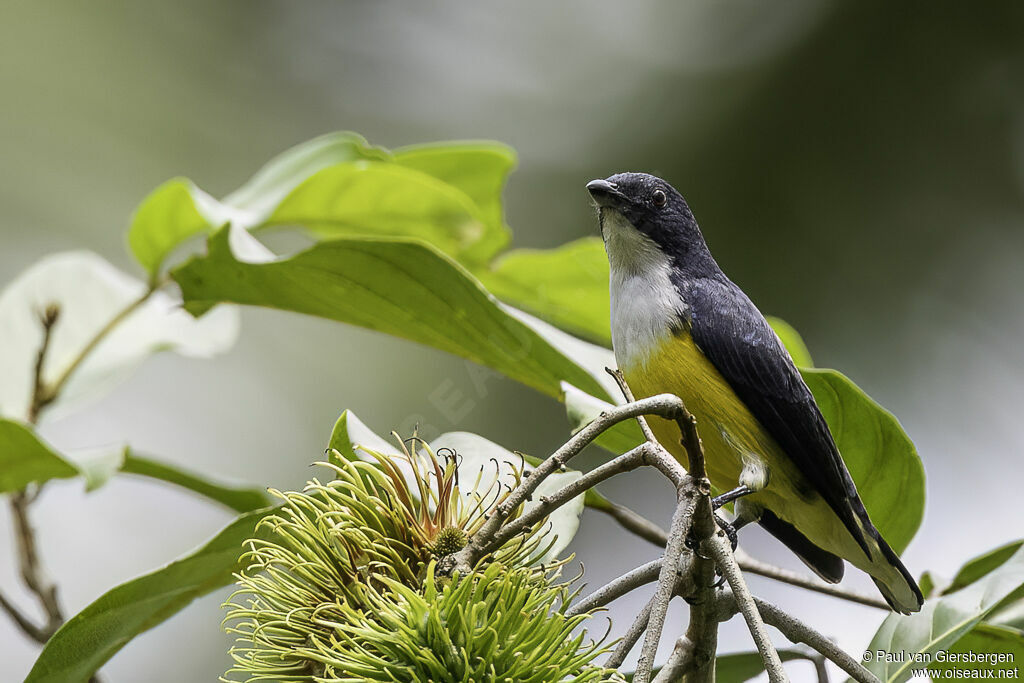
(647, 205)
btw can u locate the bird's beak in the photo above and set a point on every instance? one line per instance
(605, 194)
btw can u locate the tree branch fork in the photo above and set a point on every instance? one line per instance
(696, 553)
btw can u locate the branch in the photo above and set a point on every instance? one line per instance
(31, 568)
(32, 572)
(641, 576)
(50, 393)
(754, 566)
(548, 504)
(719, 549)
(664, 405)
(682, 522)
(628, 642)
(24, 623)
(649, 531)
(799, 632)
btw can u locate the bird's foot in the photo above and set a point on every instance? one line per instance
(730, 531)
(730, 496)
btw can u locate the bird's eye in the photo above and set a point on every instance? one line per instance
(660, 198)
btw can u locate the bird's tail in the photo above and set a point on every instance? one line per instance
(873, 556)
(894, 582)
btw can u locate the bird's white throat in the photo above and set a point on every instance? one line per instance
(645, 303)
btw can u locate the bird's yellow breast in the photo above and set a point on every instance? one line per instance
(737, 448)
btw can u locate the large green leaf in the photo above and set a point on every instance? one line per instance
(977, 567)
(567, 286)
(98, 632)
(178, 210)
(880, 456)
(479, 169)
(404, 288)
(380, 198)
(165, 219)
(338, 184)
(25, 459)
(282, 174)
(943, 621)
(1001, 648)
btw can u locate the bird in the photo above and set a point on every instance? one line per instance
(680, 326)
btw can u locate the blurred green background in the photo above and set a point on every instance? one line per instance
(858, 168)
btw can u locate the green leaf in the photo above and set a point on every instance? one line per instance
(379, 198)
(403, 288)
(567, 286)
(480, 170)
(239, 499)
(282, 174)
(943, 621)
(178, 210)
(165, 219)
(25, 459)
(98, 632)
(981, 565)
(793, 342)
(91, 294)
(997, 642)
(880, 456)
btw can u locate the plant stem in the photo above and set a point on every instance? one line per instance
(649, 531)
(799, 632)
(641, 576)
(31, 567)
(719, 549)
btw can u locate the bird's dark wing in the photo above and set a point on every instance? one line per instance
(738, 341)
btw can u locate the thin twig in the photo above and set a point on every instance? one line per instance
(719, 549)
(24, 623)
(770, 571)
(47, 319)
(641, 576)
(626, 462)
(620, 379)
(649, 531)
(665, 405)
(629, 641)
(32, 571)
(799, 632)
(52, 391)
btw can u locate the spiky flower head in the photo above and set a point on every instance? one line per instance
(500, 624)
(334, 559)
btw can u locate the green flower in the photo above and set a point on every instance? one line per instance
(341, 563)
(499, 625)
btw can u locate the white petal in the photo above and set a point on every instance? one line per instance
(90, 293)
(476, 452)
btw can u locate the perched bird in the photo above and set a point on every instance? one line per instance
(680, 326)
